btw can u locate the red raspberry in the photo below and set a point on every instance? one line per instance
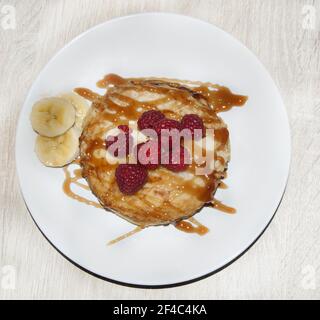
(112, 139)
(192, 122)
(178, 162)
(131, 177)
(167, 125)
(124, 128)
(149, 155)
(149, 119)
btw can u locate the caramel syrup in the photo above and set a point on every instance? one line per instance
(69, 180)
(188, 227)
(125, 236)
(222, 99)
(110, 79)
(222, 185)
(184, 226)
(217, 97)
(222, 207)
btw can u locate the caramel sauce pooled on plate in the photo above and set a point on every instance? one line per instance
(125, 236)
(75, 180)
(187, 227)
(222, 185)
(222, 207)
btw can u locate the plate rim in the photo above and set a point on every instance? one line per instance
(284, 110)
(162, 286)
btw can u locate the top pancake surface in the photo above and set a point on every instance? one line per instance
(167, 196)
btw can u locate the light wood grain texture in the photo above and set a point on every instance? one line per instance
(285, 262)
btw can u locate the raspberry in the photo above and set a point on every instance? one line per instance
(112, 139)
(192, 122)
(124, 128)
(178, 162)
(149, 119)
(168, 125)
(131, 178)
(148, 154)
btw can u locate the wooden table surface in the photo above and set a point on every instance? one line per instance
(284, 34)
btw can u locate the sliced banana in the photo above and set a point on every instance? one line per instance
(52, 117)
(81, 106)
(58, 151)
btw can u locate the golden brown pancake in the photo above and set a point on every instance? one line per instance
(168, 196)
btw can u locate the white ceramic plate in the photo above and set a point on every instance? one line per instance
(167, 45)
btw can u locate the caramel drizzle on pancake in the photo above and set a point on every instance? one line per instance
(190, 226)
(218, 99)
(222, 185)
(193, 226)
(69, 180)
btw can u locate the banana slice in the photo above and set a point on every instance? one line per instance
(58, 151)
(81, 106)
(52, 117)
